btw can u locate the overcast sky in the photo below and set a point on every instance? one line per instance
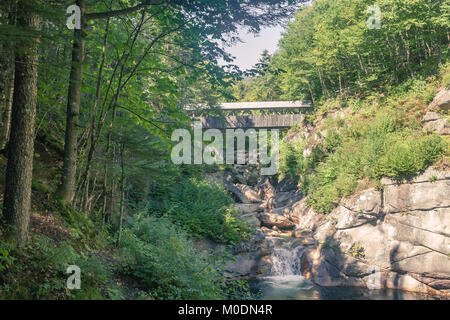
(248, 52)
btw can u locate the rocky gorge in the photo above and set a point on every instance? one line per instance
(393, 236)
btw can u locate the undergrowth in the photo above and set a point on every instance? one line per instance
(380, 136)
(200, 207)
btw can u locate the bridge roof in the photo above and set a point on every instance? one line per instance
(255, 105)
(244, 122)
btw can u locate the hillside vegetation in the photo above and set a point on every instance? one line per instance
(334, 48)
(362, 141)
(86, 117)
(87, 113)
(370, 87)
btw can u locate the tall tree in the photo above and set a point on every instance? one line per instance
(6, 72)
(329, 50)
(73, 108)
(209, 18)
(21, 145)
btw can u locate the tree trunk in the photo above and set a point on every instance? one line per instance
(363, 68)
(324, 88)
(16, 207)
(105, 195)
(67, 187)
(6, 107)
(6, 83)
(312, 94)
(94, 136)
(73, 109)
(122, 194)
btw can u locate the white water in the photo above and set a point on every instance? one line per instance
(286, 261)
(286, 282)
(285, 279)
(286, 271)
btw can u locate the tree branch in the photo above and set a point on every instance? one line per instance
(115, 13)
(143, 119)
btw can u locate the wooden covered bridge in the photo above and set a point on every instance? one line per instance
(254, 121)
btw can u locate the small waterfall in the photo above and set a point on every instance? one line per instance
(286, 259)
(285, 279)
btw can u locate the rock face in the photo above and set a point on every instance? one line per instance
(276, 220)
(435, 119)
(434, 122)
(252, 258)
(397, 237)
(265, 206)
(442, 99)
(249, 193)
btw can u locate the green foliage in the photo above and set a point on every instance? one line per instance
(295, 165)
(202, 208)
(38, 271)
(397, 155)
(6, 260)
(166, 262)
(357, 251)
(94, 276)
(291, 160)
(238, 289)
(333, 140)
(409, 154)
(329, 51)
(264, 86)
(326, 54)
(382, 138)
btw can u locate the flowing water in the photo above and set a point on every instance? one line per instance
(286, 258)
(286, 282)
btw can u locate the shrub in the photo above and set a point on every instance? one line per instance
(94, 277)
(166, 262)
(406, 156)
(38, 271)
(386, 141)
(203, 209)
(332, 141)
(357, 251)
(291, 160)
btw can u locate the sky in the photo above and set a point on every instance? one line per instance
(248, 52)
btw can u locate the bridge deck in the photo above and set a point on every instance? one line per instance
(236, 106)
(244, 122)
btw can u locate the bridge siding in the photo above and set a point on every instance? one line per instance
(245, 122)
(254, 105)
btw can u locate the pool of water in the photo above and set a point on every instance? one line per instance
(295, 287)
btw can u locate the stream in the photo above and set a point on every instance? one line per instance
(296, 287)
(273, 257)
(286, 282)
